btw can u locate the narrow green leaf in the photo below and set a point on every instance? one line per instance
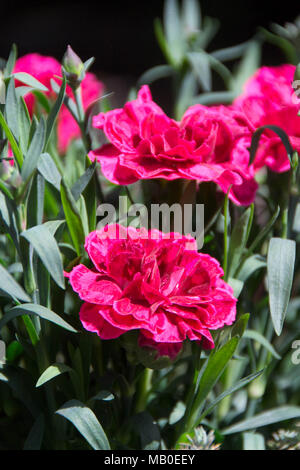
(9, 286)
(42, 100)
(159, 33)
(103, 395)
(52, 371)
(265, 418)
(86, 422)
(88, 63)
(20, 381)
(264, 232)
(148, 430)
(155, 73)
(81, 184)
(215, 366)
(55, 110)
(14, 146)
(253, 441)
(247, 66)
(252, 264)
(30, 81)
(230, 53)
(201, 65)
(186, 93)
(10, 61)
(8, 218)
(173, 30)
(236, 285)
(22, 91)
(12, 109)
(13, 351)
(53, 225)
(70, 104)
(256, 336)
(73, 218)
(238, 240)
(191, 16)
(24, 125)
(240, 384)
(296, 221)
(214, 97)
(240, 325)
(277, 130)
(48, 169)
(35, 437)
(280, 268)
(47, 249)
(34, 309)
(34, 151)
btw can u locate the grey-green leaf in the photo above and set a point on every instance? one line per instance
(256, 336)
(253, 441)
(215, 366)
(30, 81)
(48, 169)
(86, 422)
(280, 267)
(9, 286)
(47, 249)
(34, 309)
(55, 110)
(237, 386)
(173, 30)
(265, 418)
(52, 371)
(35, 150)
(35, 437)
(12, 109)
(238, 240)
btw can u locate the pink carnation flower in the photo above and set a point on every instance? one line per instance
(44, 69)
(155, 283)
(269, 98)
(145, 144)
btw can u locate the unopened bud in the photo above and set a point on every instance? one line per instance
(73, 67)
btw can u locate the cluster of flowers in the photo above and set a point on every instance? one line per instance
(209, 143)
(160, 285)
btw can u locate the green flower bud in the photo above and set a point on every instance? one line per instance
(73, 68)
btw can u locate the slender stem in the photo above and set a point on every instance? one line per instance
(143, 390)
(284, 221)
(81, 117)
(225, 261)
(186, 423)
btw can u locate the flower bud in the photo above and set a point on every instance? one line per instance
(73, 68)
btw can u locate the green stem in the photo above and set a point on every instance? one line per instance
(284, 221)
(143, 390)
(186, 424)
(225, 261)
(81, 117)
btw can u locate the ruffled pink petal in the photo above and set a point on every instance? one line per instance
(93, 287)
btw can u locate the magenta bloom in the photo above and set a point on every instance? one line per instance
(269, 98)
(145, 144)
(44, 69)
(155, 283)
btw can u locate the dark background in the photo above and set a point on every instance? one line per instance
(120, 33)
